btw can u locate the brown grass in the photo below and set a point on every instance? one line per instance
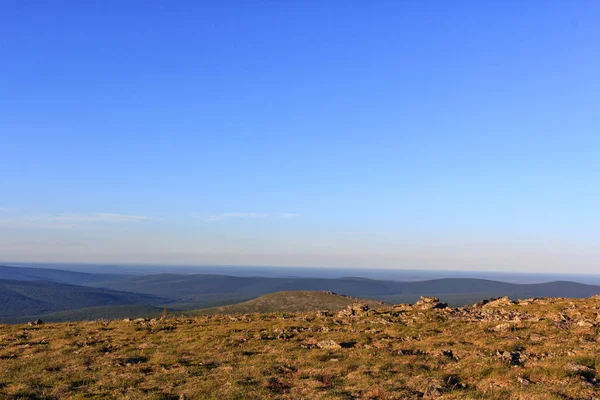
(547, 353)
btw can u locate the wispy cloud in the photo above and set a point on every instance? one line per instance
(228, 215)
(53, 220)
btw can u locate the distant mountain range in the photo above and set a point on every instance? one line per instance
(38, 291)
(457, 291)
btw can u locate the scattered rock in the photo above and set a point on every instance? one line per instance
(534, 337)
(514, 357)
(451, 382)
(310, 343)
(410, 352)
(127, 320)
(437, 387)
(428, 303)
(577, 369)
(536, 300)
(502, 327)
(586, 373)
(560, 318)
(328, 344)
(138, 320)
(448, 354)
(494, 302)
(523, 380)
(433, 390)
(585, 324)
(277, 385)
(480, 303)
(354, 310)
(36, 322)
(324, 314)
(428, 300)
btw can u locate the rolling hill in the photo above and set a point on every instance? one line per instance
(199, 291)
(53, 275)
(36, 291)
(295, 301)
(22, 298)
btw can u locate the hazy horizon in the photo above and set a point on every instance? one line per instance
(463, 136)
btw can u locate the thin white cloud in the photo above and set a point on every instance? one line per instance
(228, 215)
(67, 220)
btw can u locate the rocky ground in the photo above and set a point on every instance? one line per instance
(498, 349)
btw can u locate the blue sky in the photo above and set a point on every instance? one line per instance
(416, 134)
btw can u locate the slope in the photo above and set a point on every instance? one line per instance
(89, 314)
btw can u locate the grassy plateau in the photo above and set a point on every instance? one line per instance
(547, 348)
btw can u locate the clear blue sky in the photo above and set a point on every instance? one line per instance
(399, 134)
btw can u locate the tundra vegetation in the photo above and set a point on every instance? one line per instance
(540, 348)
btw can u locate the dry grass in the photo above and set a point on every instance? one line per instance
(545, 352)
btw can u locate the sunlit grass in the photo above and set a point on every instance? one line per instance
(385, 354)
